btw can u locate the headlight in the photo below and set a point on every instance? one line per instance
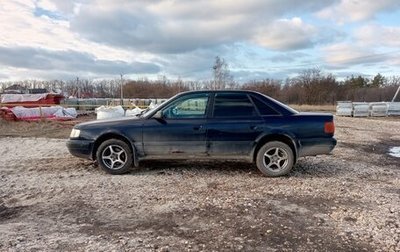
(75, 133)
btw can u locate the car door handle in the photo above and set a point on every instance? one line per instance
(198, 128)
(254, 127)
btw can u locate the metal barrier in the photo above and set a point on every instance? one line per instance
(364, 109)
(360, 109)
(378, 109)
(97, 102)
(344, 108)
(394, 109)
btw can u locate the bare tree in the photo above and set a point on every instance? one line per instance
(222, 76)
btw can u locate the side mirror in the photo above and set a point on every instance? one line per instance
(158, 115)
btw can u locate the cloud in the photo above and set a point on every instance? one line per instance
(347, 74)
(196, 64)
(378, 35)
(356, 10)
(287, 34)
(395, 62)
(288, 57)
(181, 26)
(254, 10)
(277, 74)
(143, 30)
(65, 7)
(4, 76)
(246, 75)
(97, 38)
(343, 55)
(69, 61)
(21, 27)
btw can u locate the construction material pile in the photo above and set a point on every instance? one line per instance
(365, 109)
(32, 114)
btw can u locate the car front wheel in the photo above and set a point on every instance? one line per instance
(275, 159)
(114, 156)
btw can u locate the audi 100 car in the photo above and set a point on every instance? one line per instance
(210, 124)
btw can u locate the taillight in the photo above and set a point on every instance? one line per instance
(329, 127)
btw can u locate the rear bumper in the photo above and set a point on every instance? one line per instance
(316, 146)
(80, 148)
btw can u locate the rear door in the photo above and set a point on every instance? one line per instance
(233, 126)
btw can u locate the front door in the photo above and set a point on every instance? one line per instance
(181, 131)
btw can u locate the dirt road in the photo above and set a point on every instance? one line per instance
(348, 201)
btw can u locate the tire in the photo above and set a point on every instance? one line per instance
(114, 156)
(275, 159)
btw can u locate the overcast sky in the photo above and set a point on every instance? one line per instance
(61, 39)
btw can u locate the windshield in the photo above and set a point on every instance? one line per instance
(147, 111)
(150, 110)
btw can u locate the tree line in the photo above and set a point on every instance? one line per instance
(316, 88)
(311, 86)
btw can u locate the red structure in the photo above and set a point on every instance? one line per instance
(7, 114)
(25, 101)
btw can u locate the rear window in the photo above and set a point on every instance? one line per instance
(233, 105)
(263, 108)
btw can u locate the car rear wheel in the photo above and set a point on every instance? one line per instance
(114, 156)
(275, 159)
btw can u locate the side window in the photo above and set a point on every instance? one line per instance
(233, 105)
(263, 108)
(188, 107)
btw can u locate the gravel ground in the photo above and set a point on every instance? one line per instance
(348, 201)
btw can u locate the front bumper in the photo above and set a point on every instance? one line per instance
(80, 148)
(316, 146)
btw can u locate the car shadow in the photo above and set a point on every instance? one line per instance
(170, 167)
(305, 167)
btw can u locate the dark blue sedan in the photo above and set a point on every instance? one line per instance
(208, 124)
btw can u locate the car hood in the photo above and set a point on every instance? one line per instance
(110, 122)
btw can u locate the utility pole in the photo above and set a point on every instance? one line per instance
(79, 88)
(122, 92)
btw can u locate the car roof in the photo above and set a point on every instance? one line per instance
(220, 91)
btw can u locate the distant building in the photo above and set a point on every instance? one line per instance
(37, 91)
(15, 89)
(18, 89)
